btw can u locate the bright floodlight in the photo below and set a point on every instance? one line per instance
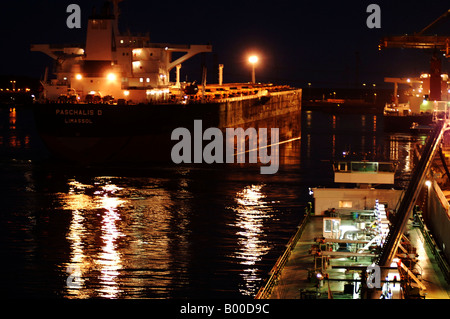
(253, 59)
(111, 77)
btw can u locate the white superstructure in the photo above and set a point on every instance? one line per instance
(113, 65)
(418, 96)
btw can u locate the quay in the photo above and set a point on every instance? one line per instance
(381, 244)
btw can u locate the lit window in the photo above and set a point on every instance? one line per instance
(345, 204)
(327, 228)
(141, 80)
(148, 80)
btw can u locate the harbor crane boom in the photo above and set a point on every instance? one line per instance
(445, 15)
(419, 40)
(437, 43)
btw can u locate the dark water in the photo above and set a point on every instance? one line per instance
(162, 232)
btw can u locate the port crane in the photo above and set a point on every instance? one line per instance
(437, 43)
(419, 40)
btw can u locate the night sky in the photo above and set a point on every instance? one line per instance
(326, 43)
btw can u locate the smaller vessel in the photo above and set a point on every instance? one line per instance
(397, 109)
(416, 128)
(341, 100)
(419, 107)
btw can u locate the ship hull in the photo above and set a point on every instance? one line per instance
(102, 133)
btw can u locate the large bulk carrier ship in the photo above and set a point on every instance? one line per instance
(112, 100)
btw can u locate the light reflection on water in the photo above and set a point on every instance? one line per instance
(119, 240)
(167, 234)
(123, 243)
(251, 213)
(110, 259)
(108, 262)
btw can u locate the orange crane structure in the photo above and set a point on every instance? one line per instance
(425, 42)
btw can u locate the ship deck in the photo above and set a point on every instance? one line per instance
(210, 93)
(293, 282)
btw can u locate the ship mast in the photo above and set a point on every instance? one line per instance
(116, 13)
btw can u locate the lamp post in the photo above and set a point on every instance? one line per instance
(253, 60)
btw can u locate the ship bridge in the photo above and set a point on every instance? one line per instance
(364, 172)
(113, 64)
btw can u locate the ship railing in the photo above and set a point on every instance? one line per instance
(437, 253)
(236, 96)
(231, 94)
(411, 195)
(62, 46)
(266, 290)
